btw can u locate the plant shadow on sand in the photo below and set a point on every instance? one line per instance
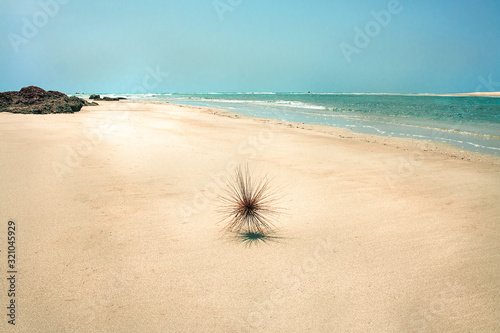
(250, 239)
(249, 208)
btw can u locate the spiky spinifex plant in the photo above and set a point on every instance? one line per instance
(249, 204)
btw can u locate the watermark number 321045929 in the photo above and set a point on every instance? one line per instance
(11, 272)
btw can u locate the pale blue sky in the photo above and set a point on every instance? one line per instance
(251, 45)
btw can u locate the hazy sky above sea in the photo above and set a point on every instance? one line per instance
(251, 45)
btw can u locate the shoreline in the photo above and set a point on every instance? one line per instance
(443, 148)
(470, 132)
(470, 94)
(478, 94)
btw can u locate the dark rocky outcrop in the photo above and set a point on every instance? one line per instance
(98, 98)
(36, 100)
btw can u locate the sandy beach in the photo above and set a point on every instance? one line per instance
(117, 229)
(480, 94)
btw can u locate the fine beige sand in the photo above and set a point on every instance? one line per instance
(476, 94)
(482, 94)
(117, 227)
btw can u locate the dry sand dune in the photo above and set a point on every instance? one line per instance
(117, 229)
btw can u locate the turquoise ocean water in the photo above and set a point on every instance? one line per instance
(470, 123)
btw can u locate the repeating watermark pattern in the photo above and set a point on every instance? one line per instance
(422, 319)
(90, 306)
(405, 167)
(74, 155)
(223, 6)
(364, 36)
(32, 26)
(111, 282)
(96, 134)
(487, 85)
(292, 281)
(247, 149)
(151, 81)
